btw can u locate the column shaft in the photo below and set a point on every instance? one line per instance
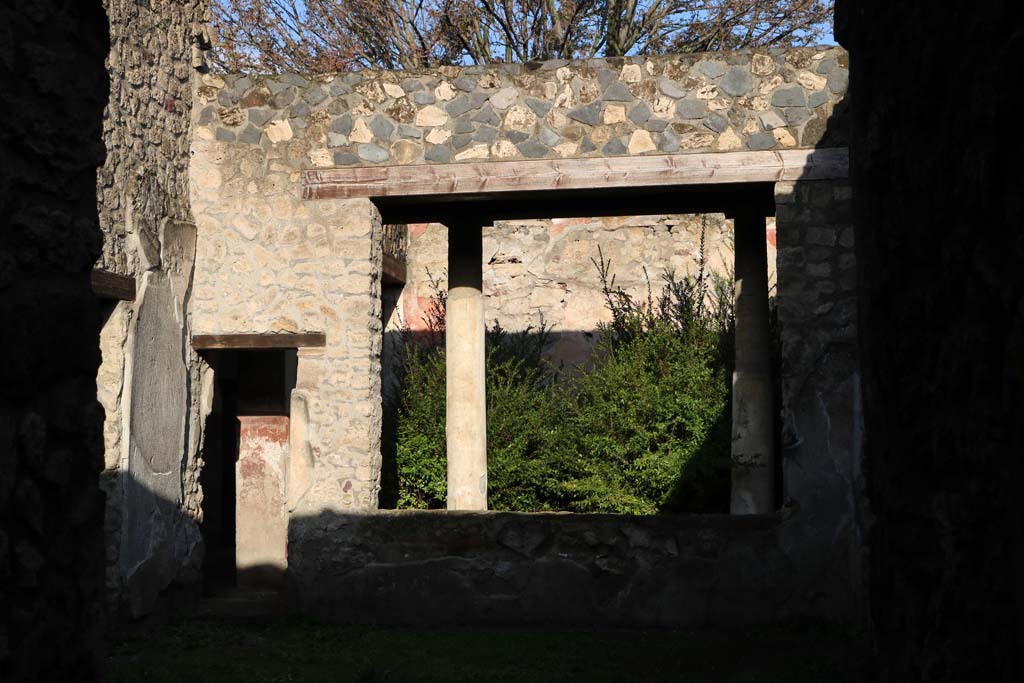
(466, 419)
(753, 437)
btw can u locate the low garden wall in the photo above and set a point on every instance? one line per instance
(665, 570)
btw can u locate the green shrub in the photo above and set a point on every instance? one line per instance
(644, 429)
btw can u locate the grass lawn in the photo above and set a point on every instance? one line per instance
(294, 649)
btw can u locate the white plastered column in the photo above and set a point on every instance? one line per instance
(466, 419)
(753, 441)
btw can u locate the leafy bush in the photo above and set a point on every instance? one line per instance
(645, 429)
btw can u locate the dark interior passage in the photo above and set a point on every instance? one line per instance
(246, 382)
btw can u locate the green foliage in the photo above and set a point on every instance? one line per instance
(644, 429)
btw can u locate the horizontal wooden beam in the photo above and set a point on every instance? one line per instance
(270, 340)
(576, 174)
(107, 285)
(394, 270)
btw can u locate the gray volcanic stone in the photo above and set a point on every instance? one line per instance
(711, 69)
(618, 92)
(438, 153)
(771, 119)
(716, 122)
(691, 109)
(816, 99)
(615, 147)
(276, 85)
(423, 97)
(299, 109)
(792, 96)
(336, 140)
(826, 65)
(606, 77)
(656, 125)
(338, 88)
(342, 124)
(224, 135)
(533, 149)
(260, 116)
(838, 80)
(587, 145)
(381, 127)
(539, 107)
(459, 106)
(461, 140)
(345, 158)
(760, 141)
(796, 116)
(737, 82)
(412, 85)
(250, 135)
(463, 126)
(407, 131)
(372, 153)
(314, 95)
(668, 142)
(486, 134)
(515, 136)
(465, 83)
(548, 136)
(589, 114)
(206, 116)
(489, 116)
(477, 99)
(671, 88)
(283, 98)
(640, 113)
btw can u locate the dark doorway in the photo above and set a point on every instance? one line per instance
(246, 382)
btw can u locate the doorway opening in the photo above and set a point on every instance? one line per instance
(243, 476)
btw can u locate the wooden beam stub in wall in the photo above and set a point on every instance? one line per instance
(108, 285)
(495, 177)
(270, 340)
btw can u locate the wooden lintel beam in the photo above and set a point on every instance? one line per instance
(268, 340)
(393, 271)
(108, 285)
(492, 177)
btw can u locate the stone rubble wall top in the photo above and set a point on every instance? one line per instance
(748, 100)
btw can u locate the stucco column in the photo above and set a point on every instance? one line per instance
(753, 441)
(466, 420)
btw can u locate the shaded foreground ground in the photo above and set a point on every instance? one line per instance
(300, 650)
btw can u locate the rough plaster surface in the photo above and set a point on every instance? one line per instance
(769, 99)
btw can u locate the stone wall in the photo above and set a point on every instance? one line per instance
(548, 568)
(769, 99)
(150, 383)
(822, 482)
(51, 511)
(267, 262)
(938, 209)
(542, 270)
